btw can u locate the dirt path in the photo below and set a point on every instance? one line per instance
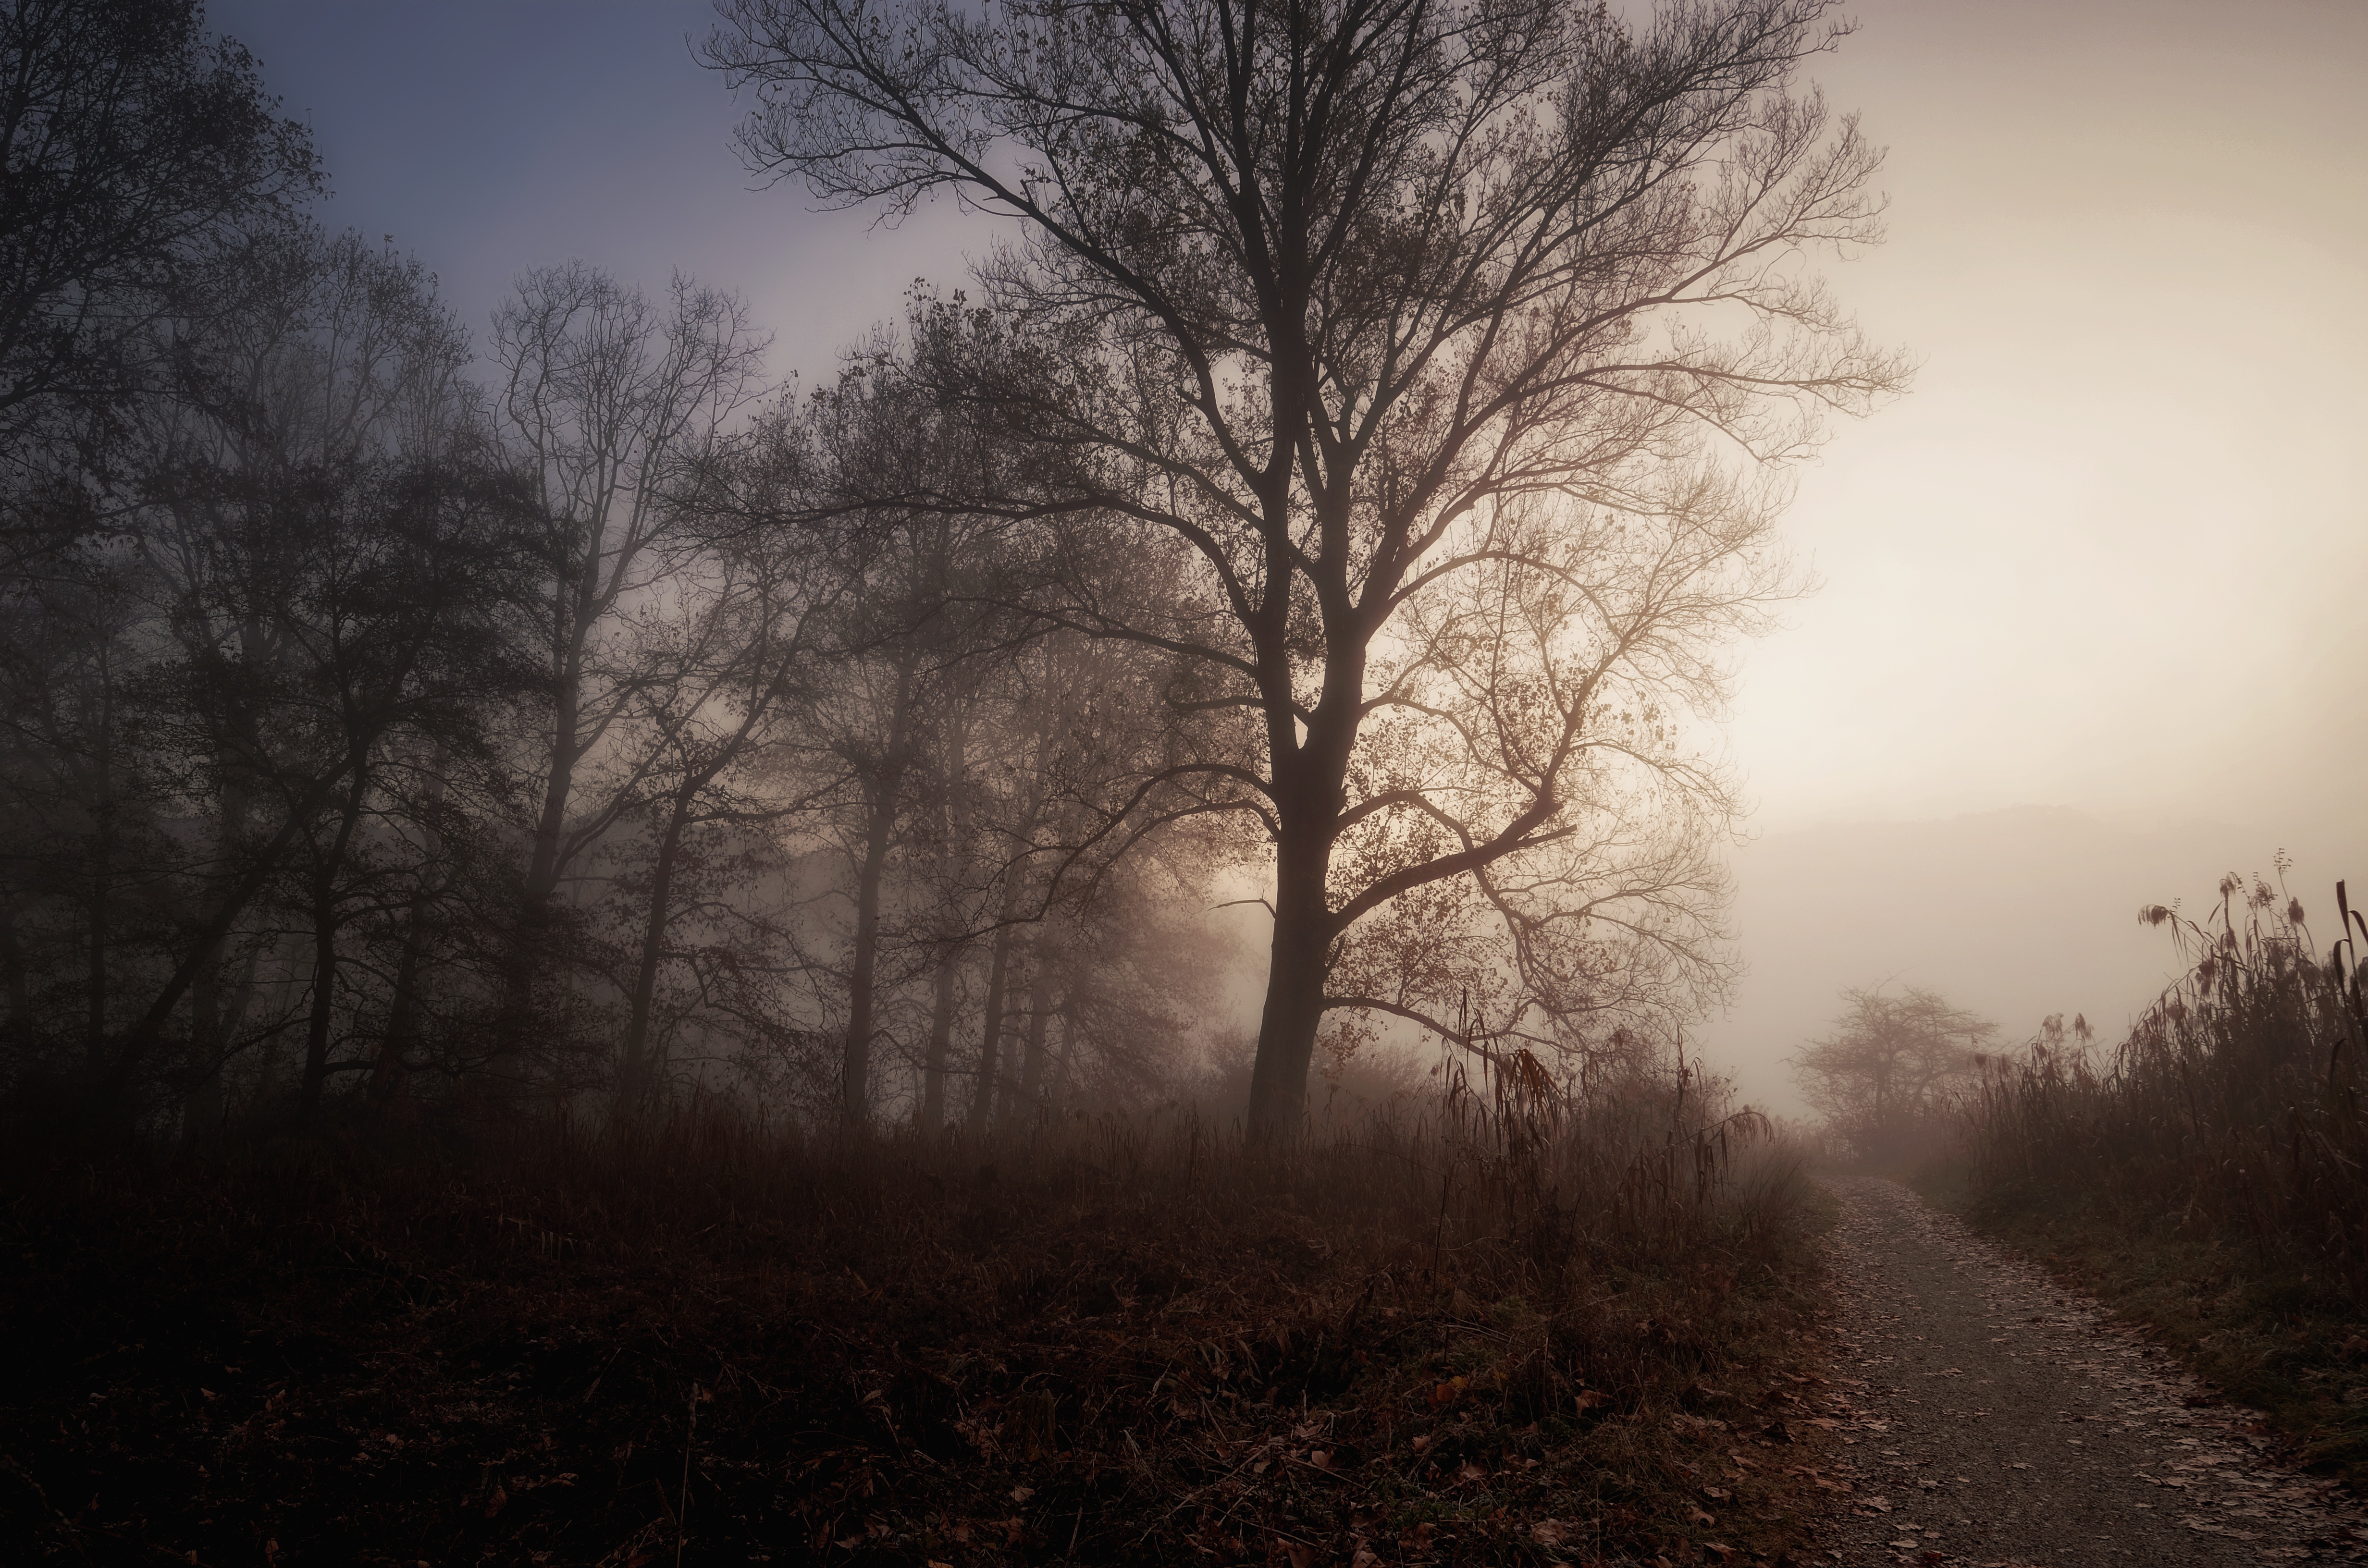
(1993, 1417)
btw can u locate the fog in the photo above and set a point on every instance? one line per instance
(2084, 637)
(2080, 634)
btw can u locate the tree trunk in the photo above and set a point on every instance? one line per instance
(391, 1074)
(856, 1070)
(1294, 989)
(95, 933)
(150, 1027)
(19, 973)
(881, 793)
(941, 1033)
(990, 1045)
(1032, 1056)
(633, 1071)
(1066, 1084)
(533, 936)
(325, 948)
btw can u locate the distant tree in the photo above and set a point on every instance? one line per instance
(1889, 1065)
(610, 409)
(735, 639)
(142, 156)
(1422, 355)
(325, 550)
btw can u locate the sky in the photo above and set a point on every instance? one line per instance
(2088, 632)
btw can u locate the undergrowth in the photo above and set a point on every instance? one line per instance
(2209, 1177)
(1485, 1334)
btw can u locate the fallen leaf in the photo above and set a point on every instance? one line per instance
(1301, 1556)
(1696, 1516)
(1549, 1532)
(1021, 1494)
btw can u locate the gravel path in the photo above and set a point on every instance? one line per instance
(1993, 1417)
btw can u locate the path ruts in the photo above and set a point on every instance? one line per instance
(1989, 1416)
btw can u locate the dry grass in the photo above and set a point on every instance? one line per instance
(2210, 1175)
(1480, 1334)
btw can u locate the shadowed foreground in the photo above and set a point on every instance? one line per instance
(1413, 1347)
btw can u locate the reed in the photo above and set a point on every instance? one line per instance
(2231, 1111)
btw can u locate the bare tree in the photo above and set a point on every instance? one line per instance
(321, 546)
(738, 638)
(612, 406)
(1888, 1065)
(1387, 317)
(140, 156)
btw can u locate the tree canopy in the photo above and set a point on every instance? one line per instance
(1449, 353)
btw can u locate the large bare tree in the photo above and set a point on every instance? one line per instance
(1442, 339)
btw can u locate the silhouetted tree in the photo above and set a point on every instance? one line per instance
(611, 408)
(1888, 1065)
(141, 158)
(1433, 339)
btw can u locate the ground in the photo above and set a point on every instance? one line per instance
(1987, 1415)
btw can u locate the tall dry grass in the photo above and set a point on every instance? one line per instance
(2231, 1111)
(1171, 1346)
(1514, 1172)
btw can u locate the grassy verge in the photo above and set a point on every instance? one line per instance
(704, 1347)
(2265, 1333)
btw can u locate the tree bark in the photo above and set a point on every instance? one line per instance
(325, 948)
(1032, 1056)
(1297, 963)
(633, 1071)
(941, 1031)
(990, 1045)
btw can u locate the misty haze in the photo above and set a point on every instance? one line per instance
(945, 783)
